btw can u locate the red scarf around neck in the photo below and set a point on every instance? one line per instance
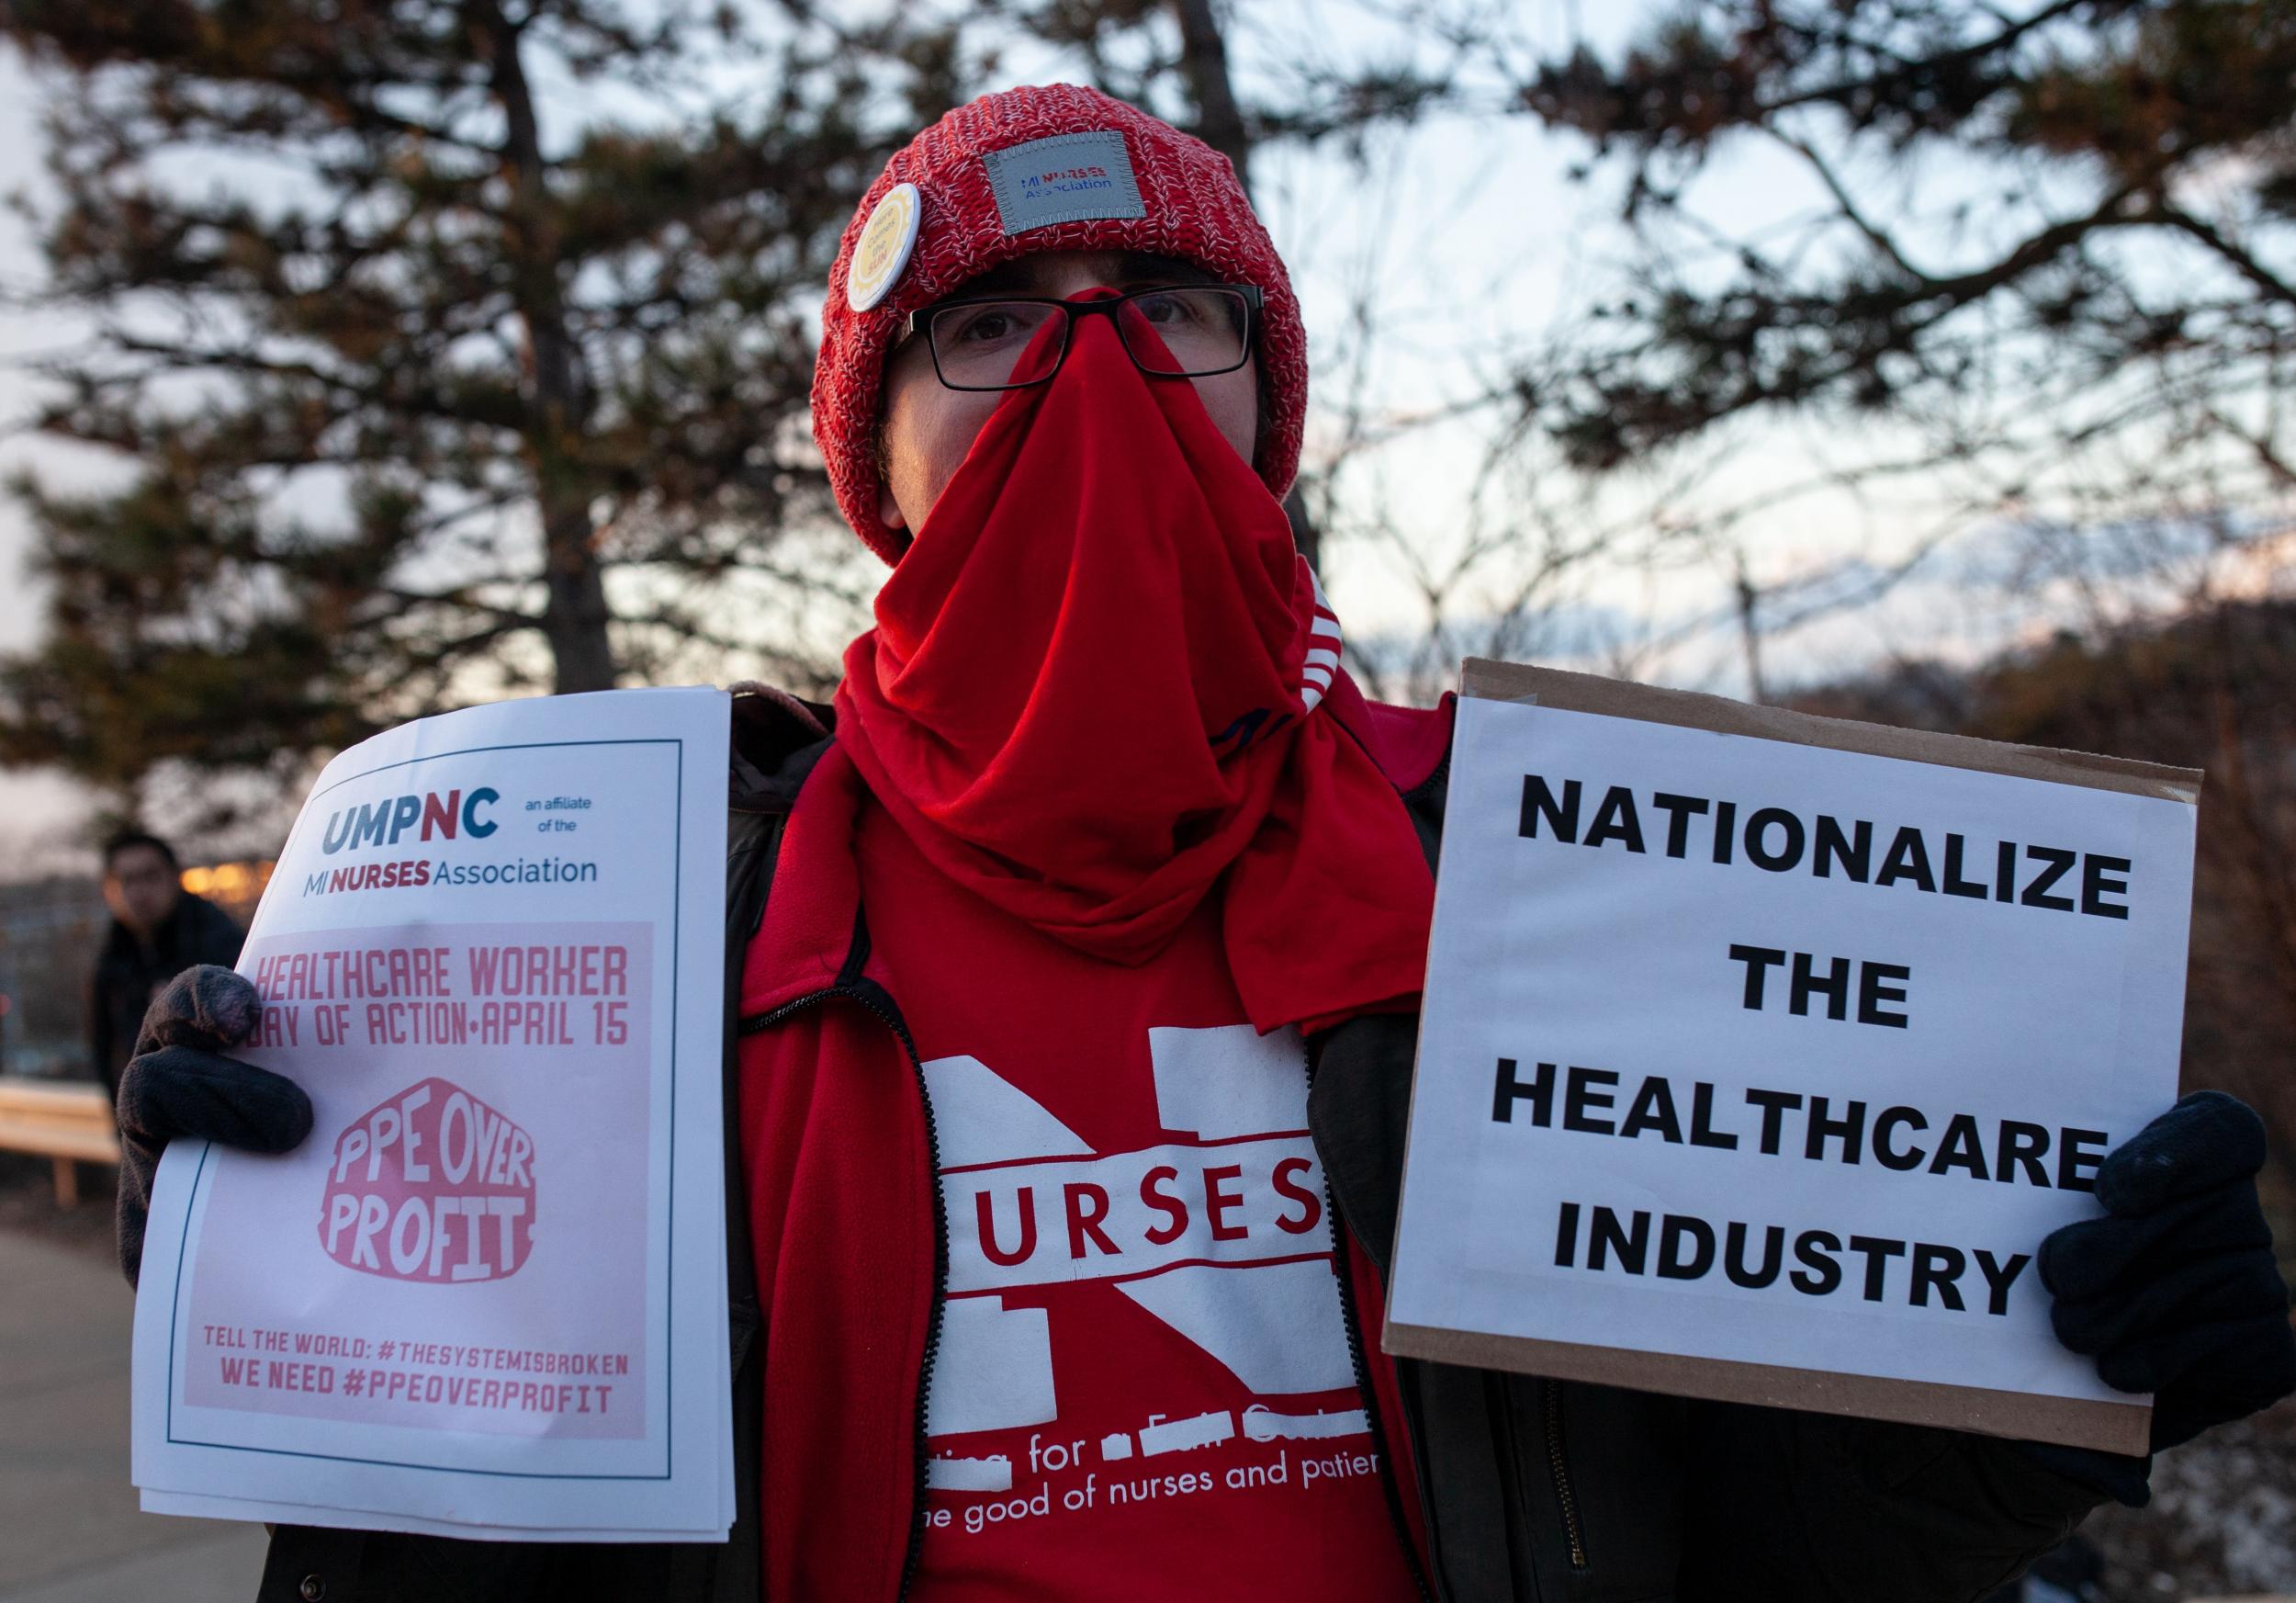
(1092, 692)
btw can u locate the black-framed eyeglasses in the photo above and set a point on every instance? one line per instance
(1186, 331)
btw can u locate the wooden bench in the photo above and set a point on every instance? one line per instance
(70, 1122)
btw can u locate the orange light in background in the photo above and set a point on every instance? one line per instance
(236, 885)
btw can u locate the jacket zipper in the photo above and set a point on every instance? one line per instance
(1343, 1270)
(888, 1015)
(892, 1019)
(1550, 1416)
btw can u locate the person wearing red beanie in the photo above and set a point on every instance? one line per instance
(1097, 768)
(1074, 959)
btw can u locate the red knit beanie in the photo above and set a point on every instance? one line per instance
(1052, 168)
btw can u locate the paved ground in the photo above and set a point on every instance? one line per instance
(70, 1530)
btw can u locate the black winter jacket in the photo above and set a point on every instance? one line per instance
(129, 972)
(1533, 1490)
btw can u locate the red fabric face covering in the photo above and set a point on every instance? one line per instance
(1091, 692)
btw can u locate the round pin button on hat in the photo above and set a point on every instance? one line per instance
(882, 250)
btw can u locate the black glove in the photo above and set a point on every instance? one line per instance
(179, 1083)
(2174, 1292)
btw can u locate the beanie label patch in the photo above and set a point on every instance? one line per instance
(1070, 177)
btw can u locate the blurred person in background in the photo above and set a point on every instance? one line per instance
(158, 930)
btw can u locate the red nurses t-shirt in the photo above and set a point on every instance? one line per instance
(1144, 1388)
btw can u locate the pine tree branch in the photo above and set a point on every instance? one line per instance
(2276, 465)
(183, 358)
(1876, 235)
(1882, 87)
(2246, 265)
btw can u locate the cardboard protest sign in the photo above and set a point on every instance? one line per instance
(1759, 1052)
(487, 1294)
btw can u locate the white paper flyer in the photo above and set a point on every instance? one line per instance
(488, 1294)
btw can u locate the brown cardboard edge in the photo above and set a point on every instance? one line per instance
(2123, 1427)
(1585, 693)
